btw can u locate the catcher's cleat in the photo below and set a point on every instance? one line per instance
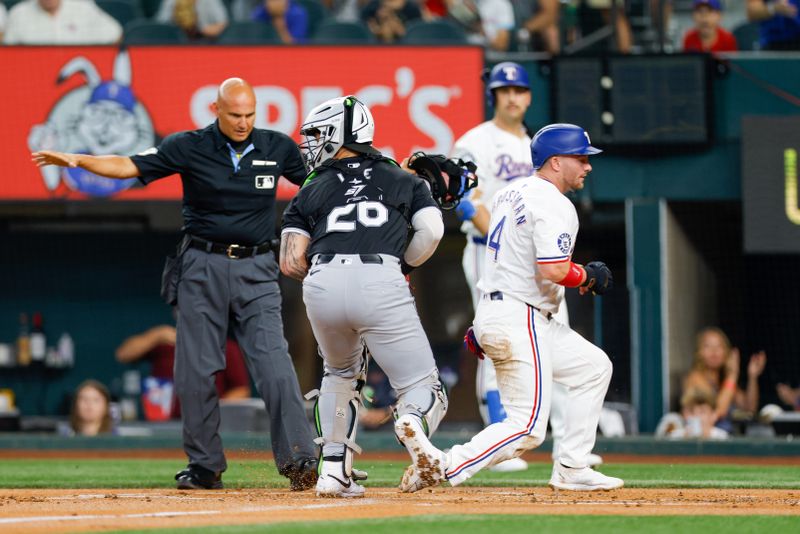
(428, 463)
(302, 474)
(196, 477)
(582, 479)
(333, 482)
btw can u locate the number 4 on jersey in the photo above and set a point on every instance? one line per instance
(494, 237)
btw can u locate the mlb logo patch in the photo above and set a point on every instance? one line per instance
(265, 181)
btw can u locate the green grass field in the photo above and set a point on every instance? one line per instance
(157, 473)
(496, 524)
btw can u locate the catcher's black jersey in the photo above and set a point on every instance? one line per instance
(358, 205)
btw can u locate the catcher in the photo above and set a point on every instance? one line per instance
(344, 235)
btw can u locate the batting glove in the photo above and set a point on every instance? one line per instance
(465, 210)
(471, 342)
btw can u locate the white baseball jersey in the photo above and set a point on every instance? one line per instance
(532, 223)
(499, 157)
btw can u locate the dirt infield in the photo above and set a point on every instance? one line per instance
(100, 510)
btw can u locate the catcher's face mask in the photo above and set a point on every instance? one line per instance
(335, 123)
(449, 179)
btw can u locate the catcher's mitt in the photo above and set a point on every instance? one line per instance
(449, 179)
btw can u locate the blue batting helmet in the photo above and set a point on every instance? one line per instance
(560, 139)
(506, 74)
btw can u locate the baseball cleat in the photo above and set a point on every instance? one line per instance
(428, 463)
(302, 475)
(510, 466)
(333, 482)
(333, 486)
(593, 460)
(196, 477)
(582, 479)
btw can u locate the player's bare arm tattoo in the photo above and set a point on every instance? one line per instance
(293, 255)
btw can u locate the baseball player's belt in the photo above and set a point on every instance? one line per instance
(233, 251)
(498, 295)
(322, 259)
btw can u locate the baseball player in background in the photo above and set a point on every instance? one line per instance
(351, 219)
(501, 151)
(532, 235)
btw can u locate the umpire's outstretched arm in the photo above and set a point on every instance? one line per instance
(119, 167)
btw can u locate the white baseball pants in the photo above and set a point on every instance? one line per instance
(529, 352)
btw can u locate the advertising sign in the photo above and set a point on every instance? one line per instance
(103, 100)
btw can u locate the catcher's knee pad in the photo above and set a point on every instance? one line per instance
(427, 399)
(336, 416)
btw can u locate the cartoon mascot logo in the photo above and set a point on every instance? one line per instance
(98, 118)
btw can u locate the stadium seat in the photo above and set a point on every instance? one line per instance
(122, 10)
(149, 7)
(333, 32)
(748, 36)
(141, 31)
(316, 14)
(249, 33)
(435, 32)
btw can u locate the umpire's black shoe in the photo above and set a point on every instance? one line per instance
(302, 474)
(196, 477)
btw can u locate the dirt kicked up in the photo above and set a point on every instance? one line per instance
(99, 510)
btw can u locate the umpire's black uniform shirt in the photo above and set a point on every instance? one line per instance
(222, 203)
(326, 209)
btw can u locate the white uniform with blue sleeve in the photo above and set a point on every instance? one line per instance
(532, 223)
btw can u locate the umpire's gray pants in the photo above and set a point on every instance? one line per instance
(213, 290)
(348, 300)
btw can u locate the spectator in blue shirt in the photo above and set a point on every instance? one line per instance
(289, 19)
(780, 23)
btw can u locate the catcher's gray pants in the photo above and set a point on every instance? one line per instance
(213, 289)
(348, 300)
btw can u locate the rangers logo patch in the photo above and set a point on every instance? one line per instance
(565, 243)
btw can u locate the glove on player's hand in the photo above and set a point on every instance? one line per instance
(472, 343)
(598, 277)
(449, 179)
(465, 210)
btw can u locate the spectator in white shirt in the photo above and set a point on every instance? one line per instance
(60, 22)
(488, 22)
(3, 18)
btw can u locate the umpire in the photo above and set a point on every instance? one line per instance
(228, 272)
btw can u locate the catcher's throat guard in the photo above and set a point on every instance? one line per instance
(449, 179)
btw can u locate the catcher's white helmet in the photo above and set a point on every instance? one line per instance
(339, 122)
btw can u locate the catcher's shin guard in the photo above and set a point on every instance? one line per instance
(336, 417)
(427, 399)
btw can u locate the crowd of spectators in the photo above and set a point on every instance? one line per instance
(498, 25)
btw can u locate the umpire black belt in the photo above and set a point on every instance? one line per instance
(498, 295)
(322, 259)
(234, 251)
